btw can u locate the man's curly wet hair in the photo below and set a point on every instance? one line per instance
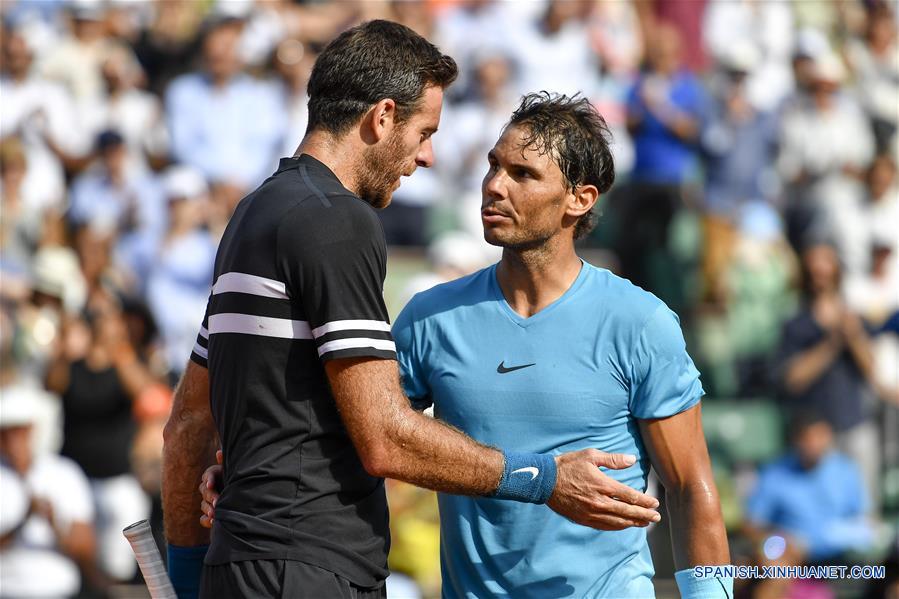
(571, 130)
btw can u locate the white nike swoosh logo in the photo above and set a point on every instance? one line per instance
(530, 469)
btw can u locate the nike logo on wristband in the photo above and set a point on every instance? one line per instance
(529, 470)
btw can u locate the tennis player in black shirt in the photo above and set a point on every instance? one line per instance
(294, 372)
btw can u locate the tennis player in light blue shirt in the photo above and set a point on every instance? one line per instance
(546, 354)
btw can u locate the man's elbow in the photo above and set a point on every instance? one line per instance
(376, 460)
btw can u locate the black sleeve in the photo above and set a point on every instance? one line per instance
(334, 262)
(200, 352)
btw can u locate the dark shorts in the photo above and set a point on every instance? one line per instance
(279, 578)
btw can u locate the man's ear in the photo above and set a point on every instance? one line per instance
(380, 120)
(582, 200)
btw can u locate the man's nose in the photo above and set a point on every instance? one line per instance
(425, 157)
(493, 184)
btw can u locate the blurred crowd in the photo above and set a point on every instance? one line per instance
(756, 193)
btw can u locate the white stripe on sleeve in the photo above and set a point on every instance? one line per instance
(359, 342)
(201, 351)
(238, 282)
(249, 324)
(348, 325)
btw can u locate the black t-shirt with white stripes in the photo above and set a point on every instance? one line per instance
(299, 280)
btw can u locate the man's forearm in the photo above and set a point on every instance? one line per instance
(187, 452)
(395, 441)
(190, 442)
(432, 454)
(698, 536)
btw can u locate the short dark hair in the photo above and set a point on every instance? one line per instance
(368, 63)
(573, 132)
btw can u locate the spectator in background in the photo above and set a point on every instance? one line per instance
(616, 37)
(117, 197)
(55, 541)
(22, 223)
(42, 115)
(223, 122)
(77, 59)
(57, 290)
(134, 113)
(466, 28)
(873, 291)
(810, 45)
(875, 294)
(766, 28)
(739, 328)
(97, 373)
(686, 18)
(617, 40)
(739, 143)
(164, 46)
(561, 30)
(827, 363)
(809, 506)
(875, 64)
(665, 109)
(826, 146)
(181, 272)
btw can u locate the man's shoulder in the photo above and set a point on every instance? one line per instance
(451, 296)
(619, 297)
(298, 193)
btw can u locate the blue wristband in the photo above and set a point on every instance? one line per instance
(692, 586)
(527, 477)
(185, 569)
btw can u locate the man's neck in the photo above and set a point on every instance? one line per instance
(339, 155)
(534, 278)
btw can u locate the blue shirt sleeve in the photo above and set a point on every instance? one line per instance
(664, 380)
(408, 351)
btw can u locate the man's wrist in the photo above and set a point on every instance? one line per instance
(527, 477)
(693, 583)
(185, 567)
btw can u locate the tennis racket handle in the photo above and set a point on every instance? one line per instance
(144, 546)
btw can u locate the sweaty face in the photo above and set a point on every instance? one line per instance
(404, 149)
(523, 195)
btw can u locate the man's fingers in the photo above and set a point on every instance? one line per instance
(616, 461)
(619, 509)
(614, 523)
(219, 457)
(622, 492)
(208, 516)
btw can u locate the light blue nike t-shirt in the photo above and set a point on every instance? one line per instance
(575, 375)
